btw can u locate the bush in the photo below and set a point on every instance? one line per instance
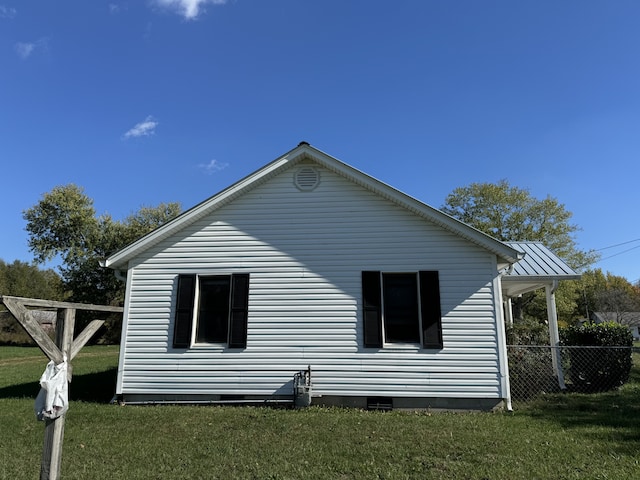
(530, 368)
(528, 332)
(531, 371)
(601, 369)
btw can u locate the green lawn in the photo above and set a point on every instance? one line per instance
(558, 437)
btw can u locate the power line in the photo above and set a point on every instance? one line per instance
(618, 245)
(619, 253)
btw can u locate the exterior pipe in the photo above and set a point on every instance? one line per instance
(120, 275)
(501, 339)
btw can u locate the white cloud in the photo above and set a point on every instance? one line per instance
(114, 8)
(213, 166)
(142, 129)
(189, 9)
(26, 49)
(7, 12)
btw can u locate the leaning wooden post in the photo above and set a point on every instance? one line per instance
(54, 428)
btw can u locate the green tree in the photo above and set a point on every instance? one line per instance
(63, 224)
(509, 213)
(21, 279)
(601, 292)
(512, 214)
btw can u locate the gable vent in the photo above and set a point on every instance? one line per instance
(307, 178)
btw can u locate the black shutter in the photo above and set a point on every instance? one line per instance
(184, 311)
(239, 310)
(372, 309)
(430, 307)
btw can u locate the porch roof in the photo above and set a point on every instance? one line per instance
(539, 267)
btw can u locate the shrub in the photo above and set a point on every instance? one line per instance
(600, 369)
(530, 368)
(531, 371)
(527, 332)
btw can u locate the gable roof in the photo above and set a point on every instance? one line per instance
(627, 318)
(539, 266)
(505, 253)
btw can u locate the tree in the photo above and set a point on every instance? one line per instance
(608, 293)
(509, 213)
(513, 214)
(64, 224)
(21, 279)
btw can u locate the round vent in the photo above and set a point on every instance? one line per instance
(307, 178)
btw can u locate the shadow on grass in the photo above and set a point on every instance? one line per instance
(96, 387)
(612, 416)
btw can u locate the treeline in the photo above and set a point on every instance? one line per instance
(21, 279)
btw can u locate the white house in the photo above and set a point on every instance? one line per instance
(310, 263)
(631, 319)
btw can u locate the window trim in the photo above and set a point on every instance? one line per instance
(186, 315)
(429, 310)
(385, 277)
(197, 311)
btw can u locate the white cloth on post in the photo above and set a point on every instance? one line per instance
(53, 399)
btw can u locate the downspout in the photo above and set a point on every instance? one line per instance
(502, 340)
(120, 275)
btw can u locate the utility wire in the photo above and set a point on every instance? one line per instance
(619, 253)
(618, 245)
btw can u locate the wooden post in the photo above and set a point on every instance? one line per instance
(54, 429)
(65, 347)
(22, 315)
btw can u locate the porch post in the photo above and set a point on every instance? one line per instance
(508, 312)
(554, 337)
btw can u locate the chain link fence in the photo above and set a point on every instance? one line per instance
(539, 369)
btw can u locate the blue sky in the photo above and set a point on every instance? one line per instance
(143, 102)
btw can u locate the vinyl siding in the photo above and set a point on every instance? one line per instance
(305, 252)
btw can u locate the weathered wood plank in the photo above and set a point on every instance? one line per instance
(53, 436)
(36, 302)
(33, 328)
(64, 333)
(84, 337)
(54, 429)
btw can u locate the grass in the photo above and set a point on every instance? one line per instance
(557, 437)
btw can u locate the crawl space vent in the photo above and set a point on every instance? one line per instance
(307, 178)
